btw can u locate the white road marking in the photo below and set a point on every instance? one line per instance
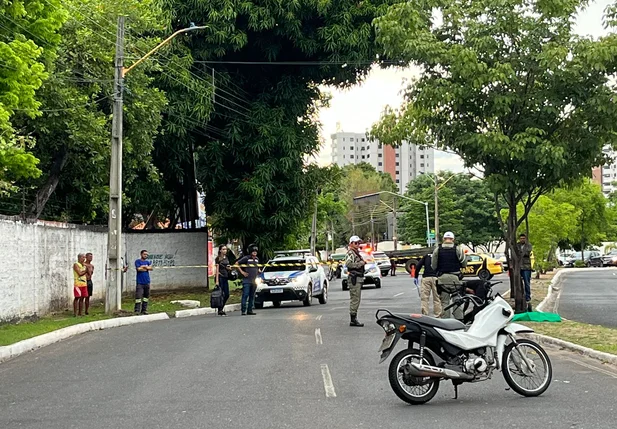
(318, 317)
(399, 294)
(327, 381)
(595, 368)
(318, 338)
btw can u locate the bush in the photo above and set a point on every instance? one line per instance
(579, 264)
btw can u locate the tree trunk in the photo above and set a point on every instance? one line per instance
(43, 194)
(516, 284)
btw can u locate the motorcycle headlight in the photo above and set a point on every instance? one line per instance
(372, 270)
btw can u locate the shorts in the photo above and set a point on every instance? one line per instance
(80, 291)
(90, 286)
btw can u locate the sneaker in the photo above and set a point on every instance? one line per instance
(244, 313)
(250, 313)
(223, 313)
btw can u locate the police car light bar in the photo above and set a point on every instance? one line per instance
(293, 252)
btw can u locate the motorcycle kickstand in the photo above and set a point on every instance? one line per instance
(455, 385)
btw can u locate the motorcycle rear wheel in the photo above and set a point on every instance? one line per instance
(513, 367)
(406, 391)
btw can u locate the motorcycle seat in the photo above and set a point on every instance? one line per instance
(445, 324)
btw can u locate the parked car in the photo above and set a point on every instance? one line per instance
(608, 260)
(292, 278)
(383, 263)
(372, 275)
(589, 258)
(482, 266)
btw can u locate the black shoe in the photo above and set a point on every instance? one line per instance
(223, 313)
(144, 313)
(250, 313)
(355, 322)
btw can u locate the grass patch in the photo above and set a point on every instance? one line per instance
(159, 302)
(593, 336)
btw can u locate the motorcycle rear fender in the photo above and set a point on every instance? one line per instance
(386, 352)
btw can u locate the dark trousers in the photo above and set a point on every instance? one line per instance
(248, 296)
(142, 297)
(526, 276)
(224, 285)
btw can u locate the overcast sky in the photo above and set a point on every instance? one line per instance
(358, 108)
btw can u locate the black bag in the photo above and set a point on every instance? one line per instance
(216, 298)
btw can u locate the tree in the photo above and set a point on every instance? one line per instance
(251, 152)
(550, 222)
(363, 179)
(28, 30)
(509, 87)
(73, 131)
(465, 207)
(590, 221)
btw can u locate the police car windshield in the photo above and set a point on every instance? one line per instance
(285, 265)
(380, 255)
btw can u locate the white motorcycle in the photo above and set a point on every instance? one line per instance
(446, 349)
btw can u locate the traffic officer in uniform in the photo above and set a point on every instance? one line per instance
(448, 260)
(355, 269)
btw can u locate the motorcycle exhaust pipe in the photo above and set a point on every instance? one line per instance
(419, 370)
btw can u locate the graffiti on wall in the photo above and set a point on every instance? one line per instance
(163, 259)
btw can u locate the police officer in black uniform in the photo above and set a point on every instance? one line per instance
(448, 260)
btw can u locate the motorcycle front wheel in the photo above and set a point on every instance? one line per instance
(527, 368)
(413, 390)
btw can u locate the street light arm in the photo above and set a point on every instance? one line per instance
(159, 46)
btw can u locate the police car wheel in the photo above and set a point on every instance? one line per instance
(323, 298)
(308, 301)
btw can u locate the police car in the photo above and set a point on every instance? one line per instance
(372, 273)
(293, 275)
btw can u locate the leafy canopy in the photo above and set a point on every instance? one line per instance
(508, 86)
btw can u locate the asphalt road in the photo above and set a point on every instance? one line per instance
(590, 296)
(271, 371)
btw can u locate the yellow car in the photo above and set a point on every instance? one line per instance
(482, 266)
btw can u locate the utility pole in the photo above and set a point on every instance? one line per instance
(428, 230)
(372, 231)
(436, 213)
(314, 226)
(394, 225)
(114, 275)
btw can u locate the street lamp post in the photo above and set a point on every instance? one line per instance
(394, 223)
(114, 277)
(437, 188)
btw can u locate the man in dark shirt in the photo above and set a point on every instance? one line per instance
(142, 291)
(249, 270)
(428, 286)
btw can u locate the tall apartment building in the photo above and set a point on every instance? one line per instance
(608, 175)
(404, 163)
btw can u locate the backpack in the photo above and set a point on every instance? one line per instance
(216, 298)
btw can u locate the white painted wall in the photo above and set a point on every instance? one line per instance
(169, 249)
(36, 276)
(37, 258)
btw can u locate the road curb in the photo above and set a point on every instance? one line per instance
(204, 311)
(585, 351)
(21, 347)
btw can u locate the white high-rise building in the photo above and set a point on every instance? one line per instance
(403, 163)
(609, 172)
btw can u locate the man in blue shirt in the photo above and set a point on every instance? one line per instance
(142, 291)
(249, 270)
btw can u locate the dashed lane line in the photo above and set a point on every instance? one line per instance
(327, 381)
(318, 338)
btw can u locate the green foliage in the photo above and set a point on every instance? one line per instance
(590, 209)
(28, 36)
(73, 132)
(465, 207)
(509, 87)
(251, 155)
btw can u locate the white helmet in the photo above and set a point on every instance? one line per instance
(354, 239)
(449, 234)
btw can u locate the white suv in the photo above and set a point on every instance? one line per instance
(292, 278)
